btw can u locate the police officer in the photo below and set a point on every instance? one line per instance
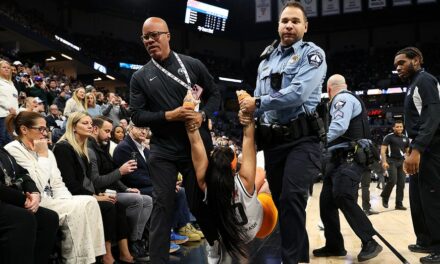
(392, 153)
(349, 122)
(288, 86)
(422, 119)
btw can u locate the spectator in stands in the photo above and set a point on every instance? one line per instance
(117, 135)
(73, 160)
(29, 105)
(77, 103)
(113, 109)
(79, 218)
(92, 108)
(54, 119)
(53, 91)
(39, 90)
(123, 123)
(8, 99)
(99, 98)
(28, 231)
(107, 175)
(60, 100)
(40, 108)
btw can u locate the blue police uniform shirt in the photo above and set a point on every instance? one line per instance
(303, 68)
(343, 108)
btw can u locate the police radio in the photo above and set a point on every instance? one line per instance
(268, 50)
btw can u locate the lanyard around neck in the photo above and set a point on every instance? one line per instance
(187, 85)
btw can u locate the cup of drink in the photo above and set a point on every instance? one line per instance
(110, 193)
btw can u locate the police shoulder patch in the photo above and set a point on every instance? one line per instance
(315, 58)
(339, 104)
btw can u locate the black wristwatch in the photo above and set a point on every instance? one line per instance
(203, 115)
(257, 102)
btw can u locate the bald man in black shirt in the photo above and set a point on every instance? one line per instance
(157, 91)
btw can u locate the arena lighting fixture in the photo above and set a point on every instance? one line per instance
(52, 58)
(67, 43)
(100, 67)
(65, 56)
(97, 79)
(110, 77)
(230, 80)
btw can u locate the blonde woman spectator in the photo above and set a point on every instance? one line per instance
(77, 103)
(8, 99)
(74, 163)
(79, 215)
(92, 108)
(29, 105)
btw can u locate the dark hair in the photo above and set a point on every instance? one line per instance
(220, 184)
(112, 134)
(99, 121)
(25, 118)
(397, 122)
(296, 5)
(411, 52)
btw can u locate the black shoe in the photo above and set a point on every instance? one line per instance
(400, 207)
(370, 212)
(384, 202)
(418, 248)
(369, 250)
(138, 251)
(326, 252)
(432, 258)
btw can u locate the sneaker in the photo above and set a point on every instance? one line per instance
(186, 231)
(400, 207)
(384, 202)
(418, 248)
(370, 212)
(326, 252)
(178, 239)
(174, 247)
(195, 230)
(369, 250)
(432, 258)
(214, 253)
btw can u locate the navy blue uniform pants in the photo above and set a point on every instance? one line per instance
(290, 171)
(164, 176)
(424, 197)
(340, 191)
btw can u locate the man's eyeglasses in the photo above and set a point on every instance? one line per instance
(154, 35)
(143, 128)
(42, 129)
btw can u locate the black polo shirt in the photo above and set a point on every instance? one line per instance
(397, 145)
(152, 93)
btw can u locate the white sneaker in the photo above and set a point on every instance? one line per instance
(214, 253)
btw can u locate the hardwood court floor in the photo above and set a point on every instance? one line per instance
(395, 226)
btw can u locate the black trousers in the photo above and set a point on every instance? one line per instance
(340, 191)
(424, 197)
(26, 237)
(290, 171)
(164, 176)
(114, 220)
(365, 186)
(395, 177)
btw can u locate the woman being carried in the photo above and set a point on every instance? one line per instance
(240, 212)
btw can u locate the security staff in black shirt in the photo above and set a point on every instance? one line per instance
(392, 152)
(157, 91)
(422, 119)
(348, 138)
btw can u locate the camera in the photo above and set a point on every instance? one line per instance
(275, 81)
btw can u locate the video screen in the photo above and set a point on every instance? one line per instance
(206, 18)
